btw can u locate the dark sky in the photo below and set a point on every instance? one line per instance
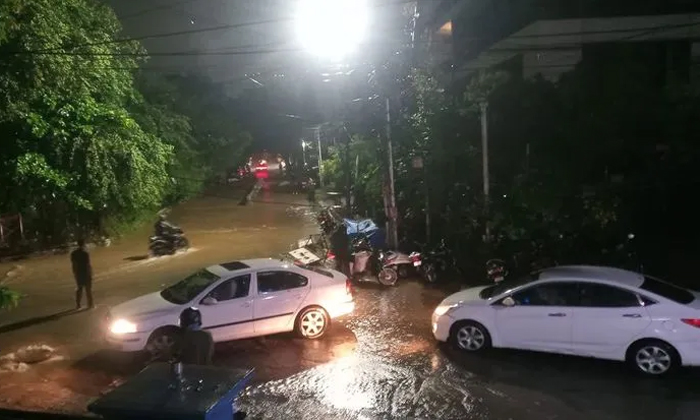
(284, 83)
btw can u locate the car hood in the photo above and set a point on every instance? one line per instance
(463, 296)
(142, 307)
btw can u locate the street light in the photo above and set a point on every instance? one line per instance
(331, 29)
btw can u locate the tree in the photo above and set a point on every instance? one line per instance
(73, 152)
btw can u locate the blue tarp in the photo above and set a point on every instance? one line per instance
(376, 235)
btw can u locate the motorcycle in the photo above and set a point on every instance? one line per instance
(367, 260)
(496, 270)
(169, 243)
(433, 263)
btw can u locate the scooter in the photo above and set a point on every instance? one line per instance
(367, 260)
(401, 262)
(168, 244)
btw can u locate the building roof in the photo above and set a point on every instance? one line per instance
(571, 34)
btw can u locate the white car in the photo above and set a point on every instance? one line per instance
(237, 300)
(599, 312)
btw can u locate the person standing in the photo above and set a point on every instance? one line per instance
(82, 272)
(197, 344)
(340, 245)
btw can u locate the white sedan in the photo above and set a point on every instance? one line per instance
(599, 312)
(237, 300)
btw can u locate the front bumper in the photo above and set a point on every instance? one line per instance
(441, 327)
(127, 342)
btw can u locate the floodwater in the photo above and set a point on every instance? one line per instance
(379, 363)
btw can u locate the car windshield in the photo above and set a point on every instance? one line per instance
(187, 289)
(667, 290)
(508, 284)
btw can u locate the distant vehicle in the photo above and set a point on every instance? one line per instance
(237, 300)
(261, 166)
(600, 312)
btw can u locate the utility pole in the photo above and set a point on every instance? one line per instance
(393, 213)
(485, 166)
(317, 133)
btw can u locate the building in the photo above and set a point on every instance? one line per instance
(548, 38)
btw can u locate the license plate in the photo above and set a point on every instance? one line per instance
(417, 263)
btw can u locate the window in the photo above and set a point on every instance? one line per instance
(188, 289)
(275, 281)
(547, 294)
(234, 288)
(667, 290)
(594, 295)
(508, 284)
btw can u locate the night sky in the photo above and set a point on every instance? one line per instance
(268, 85)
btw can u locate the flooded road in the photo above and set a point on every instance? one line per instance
(379, 363)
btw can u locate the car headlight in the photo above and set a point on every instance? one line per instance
(122, 326)
(443, 309)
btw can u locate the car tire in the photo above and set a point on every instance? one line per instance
(163, 344)
(653, 357)
(312, 323)
(470, 336)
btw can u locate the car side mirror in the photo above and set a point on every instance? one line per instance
(209, 301)
(509, 302)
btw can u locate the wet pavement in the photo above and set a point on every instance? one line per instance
(379, 363)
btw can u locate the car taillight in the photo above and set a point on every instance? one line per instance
(695, 322)
(348, 286)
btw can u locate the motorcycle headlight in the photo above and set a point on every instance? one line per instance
(122, 326)
(443, 309)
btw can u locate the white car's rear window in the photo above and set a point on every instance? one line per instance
(667, 290)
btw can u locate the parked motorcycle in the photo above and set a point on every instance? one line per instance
(496, 270)
(433, 263)
(169, 243)
(368, 260)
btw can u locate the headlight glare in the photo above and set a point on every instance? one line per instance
(443, 309)
(122, 326)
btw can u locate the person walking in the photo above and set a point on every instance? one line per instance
(82, 272)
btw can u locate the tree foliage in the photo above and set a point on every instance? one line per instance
(82, 144)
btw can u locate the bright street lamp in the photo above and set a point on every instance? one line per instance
(331, 29)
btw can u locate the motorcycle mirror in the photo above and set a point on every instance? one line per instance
(209, 301)
(509, 302)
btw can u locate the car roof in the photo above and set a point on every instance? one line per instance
(589, 272)
(227, 268)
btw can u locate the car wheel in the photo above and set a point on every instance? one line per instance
(162, 344)
(312, 323)
(653, 357)
(470, 336)
(387, 276)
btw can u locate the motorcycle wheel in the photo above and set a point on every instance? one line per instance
(430, 274)
(387, 276)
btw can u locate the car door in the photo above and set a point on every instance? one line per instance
(541, 318)
(227, 310)
(280, 293)
(607, 320)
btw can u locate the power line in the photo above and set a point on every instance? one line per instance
(204, 30)
(154, 9)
